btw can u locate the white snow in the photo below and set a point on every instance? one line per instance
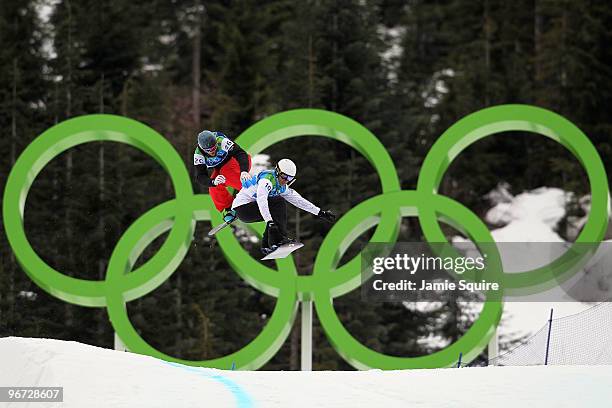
(95, 377)
(542, 206)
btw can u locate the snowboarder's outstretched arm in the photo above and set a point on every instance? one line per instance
(264, 186)
(294, 198)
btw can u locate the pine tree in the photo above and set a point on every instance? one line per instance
(23, 103)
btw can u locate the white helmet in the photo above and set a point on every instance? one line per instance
(286, 169)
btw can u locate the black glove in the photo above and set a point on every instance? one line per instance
(327, 215)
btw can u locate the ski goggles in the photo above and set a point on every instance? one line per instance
(286, 177)
(210, 150)
(283, 176)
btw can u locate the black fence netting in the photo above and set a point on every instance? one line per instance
(583, 338)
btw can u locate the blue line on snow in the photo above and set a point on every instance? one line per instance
(243, 399)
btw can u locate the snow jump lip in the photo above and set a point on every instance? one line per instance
(243, 399)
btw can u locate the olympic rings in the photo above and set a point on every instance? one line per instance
(384, 211)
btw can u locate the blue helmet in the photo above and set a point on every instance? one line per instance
(206, 140)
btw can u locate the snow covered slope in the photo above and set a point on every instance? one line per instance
(95, 377)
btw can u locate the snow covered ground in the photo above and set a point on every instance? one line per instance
(95, 377)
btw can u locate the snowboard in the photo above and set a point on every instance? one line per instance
(283, 251)
(219, 228)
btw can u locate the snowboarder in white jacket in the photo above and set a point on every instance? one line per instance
(264, 198)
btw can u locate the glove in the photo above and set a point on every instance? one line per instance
(245, 176)
(220, 179)
(327, 215)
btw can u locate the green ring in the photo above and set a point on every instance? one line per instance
(302, 122)
(470, 344)
(526, 118)
(49, 145)
(145, 230)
